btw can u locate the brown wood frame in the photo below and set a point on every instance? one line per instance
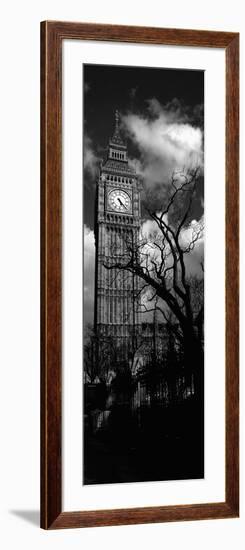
(52, 34)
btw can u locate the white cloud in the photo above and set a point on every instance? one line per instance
(194, 259)
(90, 159)
(150, 229)
(89, 274)
(166, 139)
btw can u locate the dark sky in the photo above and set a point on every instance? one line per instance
(107, 88)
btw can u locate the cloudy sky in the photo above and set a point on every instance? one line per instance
(162, 121)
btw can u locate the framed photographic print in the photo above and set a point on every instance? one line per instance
(139, 275)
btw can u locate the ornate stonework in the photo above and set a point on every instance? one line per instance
(117, 225)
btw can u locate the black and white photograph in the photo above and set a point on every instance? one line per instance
(123, 239)
(143, 292)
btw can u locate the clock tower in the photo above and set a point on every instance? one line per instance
(117, 224)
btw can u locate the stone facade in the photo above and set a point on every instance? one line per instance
(117, 224)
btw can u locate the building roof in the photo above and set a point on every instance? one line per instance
(113, 163)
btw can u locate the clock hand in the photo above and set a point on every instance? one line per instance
(119, 200)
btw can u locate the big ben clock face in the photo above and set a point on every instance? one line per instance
(119, 201)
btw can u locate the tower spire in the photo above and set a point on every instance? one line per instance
(116, 119)
(117, 138)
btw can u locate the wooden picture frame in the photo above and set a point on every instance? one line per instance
(52, 35)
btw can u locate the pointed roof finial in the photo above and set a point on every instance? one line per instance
(116, 118)
(116, 138)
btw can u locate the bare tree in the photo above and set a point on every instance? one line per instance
(159, 261)
(99, 355)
